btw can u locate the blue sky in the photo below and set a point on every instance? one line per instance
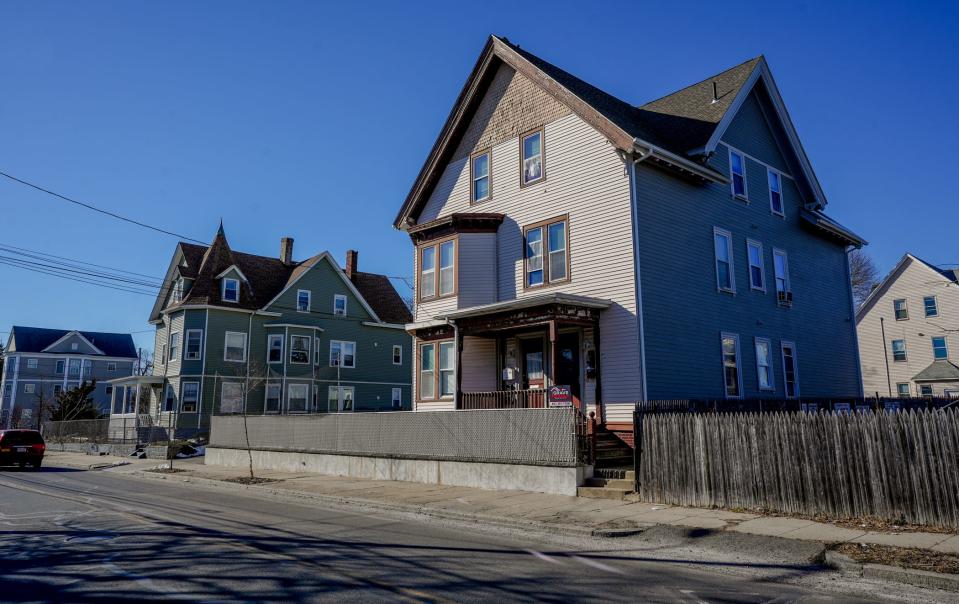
(312, 120)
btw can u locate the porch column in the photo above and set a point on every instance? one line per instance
(458, 347)
(553, 356)
(113, 399)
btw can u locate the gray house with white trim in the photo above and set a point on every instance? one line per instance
(675, 249)
(40, 363)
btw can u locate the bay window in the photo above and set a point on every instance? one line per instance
(300, 350)
(234, 349)
(437, 370)
(437, 269)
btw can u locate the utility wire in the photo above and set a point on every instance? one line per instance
(100, 210)
(26, 252)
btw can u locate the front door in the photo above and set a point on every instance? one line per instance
(533, 367)
(567, 364)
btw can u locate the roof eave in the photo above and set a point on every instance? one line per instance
(678, 162)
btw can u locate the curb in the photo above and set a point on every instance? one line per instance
(562, 530)
(919, 578)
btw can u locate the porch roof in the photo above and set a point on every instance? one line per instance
(528, 302)
(133, 380)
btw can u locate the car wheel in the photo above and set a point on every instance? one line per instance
(23, 464)
(36, 466)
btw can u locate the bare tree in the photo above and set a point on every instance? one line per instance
(255, 376)
(144, 365)
(865, 276)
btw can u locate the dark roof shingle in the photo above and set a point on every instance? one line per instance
(36, 339)
(382, 297)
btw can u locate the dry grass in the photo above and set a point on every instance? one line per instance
(248, 480)
(904, 557)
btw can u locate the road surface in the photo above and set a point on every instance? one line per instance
(84, 536)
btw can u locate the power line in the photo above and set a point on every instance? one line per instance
(23, 251)
(100, 210)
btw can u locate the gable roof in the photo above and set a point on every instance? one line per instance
(38, 339)
(265, 278)
(949, 275)
(677, 131)
(938, 371)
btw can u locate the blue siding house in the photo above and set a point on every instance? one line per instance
(675, 249)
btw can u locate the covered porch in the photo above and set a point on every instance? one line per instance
(509, 354)
(134, 406)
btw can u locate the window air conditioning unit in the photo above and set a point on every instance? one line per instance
(786, 298)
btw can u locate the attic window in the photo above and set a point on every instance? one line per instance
(231, 290)
(531, 157)
(737, 174)
(178, 290)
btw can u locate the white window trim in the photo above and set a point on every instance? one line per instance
(945, 342)
(33, 363)
(393, 354)
(393, 398)
(57, 364)
(223, 297)
(173, 351)
(340, 397)
(732, 184)
(309, 300)
(739, 364)
(341, 342)
(905, 350)
(783, 345)
(182, 401)
(769, 364)
(279, 398)
(111, 366)
(226, 338)
(935, 299)
(269, 344)
(451, 268)
(905, 306)
(337, 297)
(32, 388)
(782, 198)
(785, 256)
(732, 261)
(309, 349)
(908, 388)
(440, 371)
(306, 398)
(420, 371)
(199, 354)
(762, 264)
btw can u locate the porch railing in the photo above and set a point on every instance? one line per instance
(503, 399)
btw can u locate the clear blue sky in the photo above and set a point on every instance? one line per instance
(310, 120)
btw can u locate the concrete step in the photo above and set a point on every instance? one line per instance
(613, 462)
(614, 483)
(602, 493)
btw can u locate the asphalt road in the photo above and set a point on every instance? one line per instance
(81, 536)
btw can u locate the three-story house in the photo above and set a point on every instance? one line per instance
(673, 250)
(242, 333)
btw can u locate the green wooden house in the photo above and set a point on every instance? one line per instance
(241, 333)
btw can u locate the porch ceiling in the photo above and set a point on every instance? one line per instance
(552, 309)
(528, 302)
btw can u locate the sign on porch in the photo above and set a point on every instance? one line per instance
(559, 396)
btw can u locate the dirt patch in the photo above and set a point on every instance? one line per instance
(904, 557)
(166, 470)
(858, 524)
(248, 480)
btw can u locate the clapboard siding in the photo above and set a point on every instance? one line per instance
(477, 271)
(586, 180)
(479, 365)
(911, 280)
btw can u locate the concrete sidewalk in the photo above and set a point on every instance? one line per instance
(558, 513)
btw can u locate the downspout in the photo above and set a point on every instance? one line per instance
(855, 326)
(634, 214)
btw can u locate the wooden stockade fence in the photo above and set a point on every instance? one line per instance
(899, 467)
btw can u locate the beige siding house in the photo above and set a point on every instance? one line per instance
(909, 332)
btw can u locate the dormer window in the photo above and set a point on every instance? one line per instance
(531, 158)
(231, 290)
(178, 290)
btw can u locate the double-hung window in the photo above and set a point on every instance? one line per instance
(901, 309)
(531, 157)
(757, 268)
(898, 350)
(437, 370)
(303, 300)
(397, 396)
(725, 271)
(194, 344)
(764, 369)
(59, 367)
(234, 347)
(931, 306)
(439, 257)
(925, 390)
(547, 252)
(940, 351)
(231, 290)
(339, 305)
(300, 350)
(297, 398)
(775, 192)
(316, 351)
(112, 366)
(732, 375)
(231, 397)
(174, 346)
(397, 354)
(902, 389)
(342, 354)
(340, 398)
(427, 371)
(178, 290)
(480, 176)
(790, 370)
(32, 364)
(273, 397)
(781, 266)
(737, 173)
(274, 345)
(189, 396)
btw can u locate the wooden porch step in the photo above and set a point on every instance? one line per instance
(602, 493)
(614, 483)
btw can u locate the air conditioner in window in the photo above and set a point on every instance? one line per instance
(785, 298)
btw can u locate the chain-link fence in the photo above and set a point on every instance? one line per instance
(132, 430)
(549, 437)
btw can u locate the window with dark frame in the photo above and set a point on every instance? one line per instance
(901, 309)
(790, 370)
(437, 269)
(531, 157)
(546, 252)
(737, 173)
(480, 177)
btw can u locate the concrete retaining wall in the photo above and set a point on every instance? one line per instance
(494, 476)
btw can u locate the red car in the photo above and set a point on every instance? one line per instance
(21, 447)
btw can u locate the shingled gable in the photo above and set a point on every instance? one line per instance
(678, 131)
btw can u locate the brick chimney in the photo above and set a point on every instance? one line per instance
(351, 259)
(286, 250)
